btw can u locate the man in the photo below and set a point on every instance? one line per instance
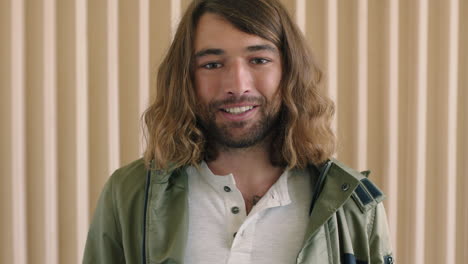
(238, 166)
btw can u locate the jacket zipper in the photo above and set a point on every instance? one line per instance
(143, 246)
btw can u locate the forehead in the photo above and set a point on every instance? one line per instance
(213, 31)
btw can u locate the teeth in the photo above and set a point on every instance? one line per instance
(238, 110)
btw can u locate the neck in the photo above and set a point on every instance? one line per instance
(252, 168)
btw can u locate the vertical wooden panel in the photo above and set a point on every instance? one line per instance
(67, 132)
(362, 98)
(128, 81)
(391, 164)
(377, 77)
(332, 55)
(160, 37)
(406, 151)
(438, 51)
(101, 100)
(18, 137)
(82, 138)
(50, 134)
(420, 137)
(176, 12)
(34, 100)
(144, 63)
(451, 143)
(317, 34)
(113, 85)
(462, 141)
(300, 14)
(347, 73)
(6, 147)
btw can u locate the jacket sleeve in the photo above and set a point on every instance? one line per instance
(104, 242)
(380, 249)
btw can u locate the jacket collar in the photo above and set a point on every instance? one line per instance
(338, 186)
(166, 218)
(170, 176)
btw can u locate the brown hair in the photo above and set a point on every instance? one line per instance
(174, 138)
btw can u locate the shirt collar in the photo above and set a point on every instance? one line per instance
(279, 191)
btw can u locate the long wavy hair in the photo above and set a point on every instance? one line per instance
(304, 135)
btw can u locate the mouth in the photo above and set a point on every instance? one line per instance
(238, 113)
(238, 110)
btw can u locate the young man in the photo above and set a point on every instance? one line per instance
(238, 167)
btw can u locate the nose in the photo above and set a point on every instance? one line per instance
(238, 79)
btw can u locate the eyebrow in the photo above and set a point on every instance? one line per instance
(261, 47)
(206, 52)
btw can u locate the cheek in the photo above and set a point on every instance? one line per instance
(203, 88)
(268, 84)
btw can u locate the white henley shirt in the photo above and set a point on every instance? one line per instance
(220, 231)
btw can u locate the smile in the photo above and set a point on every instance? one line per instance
(238, 110)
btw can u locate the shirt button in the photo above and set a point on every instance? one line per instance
(227, 189)
(235, 210)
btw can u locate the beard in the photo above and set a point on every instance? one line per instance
(254, 132)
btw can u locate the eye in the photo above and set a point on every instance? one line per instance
(259, 61)
(211, 65)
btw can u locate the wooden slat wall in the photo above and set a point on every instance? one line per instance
(76, 75)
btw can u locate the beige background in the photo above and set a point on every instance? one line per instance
(76, 75)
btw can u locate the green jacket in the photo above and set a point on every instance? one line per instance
(142, 215)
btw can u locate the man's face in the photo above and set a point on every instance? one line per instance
(236, 79)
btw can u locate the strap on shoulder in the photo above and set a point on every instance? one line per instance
(366, 195)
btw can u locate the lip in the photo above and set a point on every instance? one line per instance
(239, 117)
(237, 105)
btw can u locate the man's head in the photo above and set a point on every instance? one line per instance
(238, 72)
(236, 77)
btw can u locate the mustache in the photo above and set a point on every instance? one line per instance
(237, 100)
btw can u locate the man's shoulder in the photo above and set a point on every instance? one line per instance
(129, 178)
(365, 193)
(133, 169)
(361, 218)
(340, 169)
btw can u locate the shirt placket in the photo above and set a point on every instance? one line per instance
(241, 244)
